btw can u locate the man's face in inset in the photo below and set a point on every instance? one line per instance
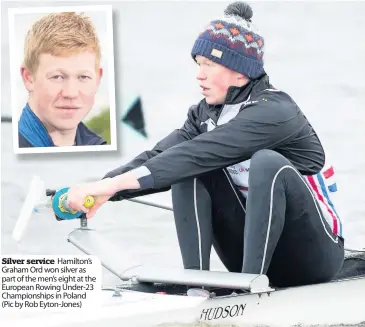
(62, 89)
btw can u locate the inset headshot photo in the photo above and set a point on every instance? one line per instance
(62, 79)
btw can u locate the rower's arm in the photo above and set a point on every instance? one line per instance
(188, 131)
(264, 125)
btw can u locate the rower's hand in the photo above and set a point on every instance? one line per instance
(101, 191)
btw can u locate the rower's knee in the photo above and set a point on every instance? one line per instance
(187, 191)
(267, 161)
(185, 186)
(268, 157)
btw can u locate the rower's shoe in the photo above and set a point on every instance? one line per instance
(198, 292)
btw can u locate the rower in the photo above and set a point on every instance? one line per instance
(247, 172)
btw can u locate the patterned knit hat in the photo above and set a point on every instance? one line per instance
(233, 41)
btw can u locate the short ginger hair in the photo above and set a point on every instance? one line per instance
(60, 34)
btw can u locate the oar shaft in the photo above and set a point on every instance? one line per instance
(152, 204)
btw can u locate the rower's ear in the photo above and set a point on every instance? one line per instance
(27, 77)
(242, 79)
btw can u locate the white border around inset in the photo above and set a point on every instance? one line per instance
(111, 82)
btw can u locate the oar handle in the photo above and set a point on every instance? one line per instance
(89, 201)
(60, 207)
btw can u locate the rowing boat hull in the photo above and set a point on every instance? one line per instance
(334, 303)
(340, 302)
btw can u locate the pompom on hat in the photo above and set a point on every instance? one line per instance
(233, 41)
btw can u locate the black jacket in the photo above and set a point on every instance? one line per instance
(84, 136)
(266, 119)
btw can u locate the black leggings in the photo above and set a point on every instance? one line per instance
(294, 245)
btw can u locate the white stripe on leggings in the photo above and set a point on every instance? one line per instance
(270, 215)
(198, 226)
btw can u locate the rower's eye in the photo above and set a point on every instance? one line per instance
(84, 77)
